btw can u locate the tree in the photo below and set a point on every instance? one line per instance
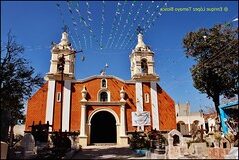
(215, 51)
(18, 80)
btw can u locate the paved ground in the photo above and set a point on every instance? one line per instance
(117, 152)
(106, 152)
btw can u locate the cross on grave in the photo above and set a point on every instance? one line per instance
(201, 132)
(40, 131)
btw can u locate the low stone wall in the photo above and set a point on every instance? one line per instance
(218, 153)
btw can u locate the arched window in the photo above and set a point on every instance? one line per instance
(144, 66)
(103, 83)
(103, 96)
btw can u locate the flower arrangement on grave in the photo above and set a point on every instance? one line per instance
(61, 142)
(138, 141)
(230, 137)
(157, 139)
(218, 137)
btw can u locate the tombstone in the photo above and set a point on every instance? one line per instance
(4, 148)
(50, 142)
(233, 153)
(176, 136)
(175, 143)
(224, 143)
(28, 144)
(199, 149)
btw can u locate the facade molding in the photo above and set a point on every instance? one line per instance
(50, 101)
(66, 106)
(154, 103)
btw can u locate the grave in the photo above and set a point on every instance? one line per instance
(224, 143)
(4, 148)
(176, 144)
(158, 142)
(28, 144)
(233, 153)
(198, 149)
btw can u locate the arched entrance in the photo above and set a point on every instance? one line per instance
(103, 128)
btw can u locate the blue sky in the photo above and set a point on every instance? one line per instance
(37, 24)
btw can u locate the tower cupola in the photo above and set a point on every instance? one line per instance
(62, 57)
(142, 62)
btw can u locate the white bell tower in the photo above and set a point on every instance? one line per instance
(63, 49)
(142, 62)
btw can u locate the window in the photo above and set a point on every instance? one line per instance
(103, 97)
(144, 66)
(58, 96)
(103, 83)
(146, 98)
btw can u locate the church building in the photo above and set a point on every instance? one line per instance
(103, 108)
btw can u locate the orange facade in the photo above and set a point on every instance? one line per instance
(36, 110)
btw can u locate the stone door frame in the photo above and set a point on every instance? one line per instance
(89, 118)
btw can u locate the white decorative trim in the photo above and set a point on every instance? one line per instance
(97, 103)
(122, 121)
(116, 119)
(66, 106)
(83, 119)
(103, 109)
(139, 96)
(50, 101)
(105, 77)
(154, 102)
(103, 90)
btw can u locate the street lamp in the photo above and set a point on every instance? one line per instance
(61, 67)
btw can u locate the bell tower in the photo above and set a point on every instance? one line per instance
(142, 62)
(59, 80)
(143, 73)
(62, 58)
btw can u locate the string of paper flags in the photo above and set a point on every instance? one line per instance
(126, 23)
(128, 15)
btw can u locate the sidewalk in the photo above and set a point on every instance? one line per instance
(106, 152)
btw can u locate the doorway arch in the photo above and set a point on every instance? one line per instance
(103, 126)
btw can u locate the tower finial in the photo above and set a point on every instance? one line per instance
(65, 28)
(139, 30)
(64, 38)
(141, 43)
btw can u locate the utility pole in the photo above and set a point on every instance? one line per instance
(61, 67)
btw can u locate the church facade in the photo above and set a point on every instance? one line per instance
(103, 108)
